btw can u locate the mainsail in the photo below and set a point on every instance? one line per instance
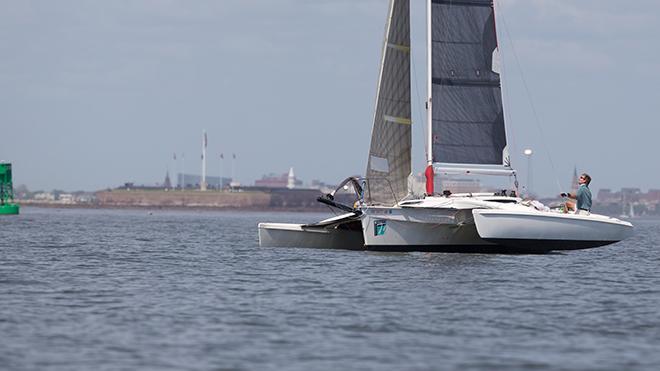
(467, 118)
(389, 163)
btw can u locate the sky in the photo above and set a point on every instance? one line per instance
(97, 93)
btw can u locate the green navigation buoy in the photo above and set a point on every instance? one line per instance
(7, 205)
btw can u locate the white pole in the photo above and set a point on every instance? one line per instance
(222, 161)
(202, 185)
(183, 171)
(233, 167)
(528, 153)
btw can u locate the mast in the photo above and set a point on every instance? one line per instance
(429, 103)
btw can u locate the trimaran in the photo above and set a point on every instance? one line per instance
(466, 135)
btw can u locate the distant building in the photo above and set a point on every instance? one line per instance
(193, 181)
(628, 202)
(84, 197)
(652, 196)
(605, 195)
(44, 196)
(286, 180)
(631, 194)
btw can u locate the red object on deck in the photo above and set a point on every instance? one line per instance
(429, 179)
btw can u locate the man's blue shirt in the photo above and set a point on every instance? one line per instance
(583, 197)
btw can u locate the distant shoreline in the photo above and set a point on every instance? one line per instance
(46, 205)
(272, 200)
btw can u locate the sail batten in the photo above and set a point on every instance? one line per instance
(402, 48)
(480, 3)
(466, 82)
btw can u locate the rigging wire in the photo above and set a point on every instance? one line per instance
(537, 121)
(332, 210)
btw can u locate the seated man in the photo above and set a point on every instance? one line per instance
(583, 197)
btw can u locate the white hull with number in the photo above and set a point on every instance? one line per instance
(487, 224)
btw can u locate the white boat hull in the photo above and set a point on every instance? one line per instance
(334, 233)
(441, 230)
(295, 235)
(549, 230)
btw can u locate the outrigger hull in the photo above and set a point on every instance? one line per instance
(549, 230)
(296, 235)
(341, 232)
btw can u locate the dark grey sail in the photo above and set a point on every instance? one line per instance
(389, 162)
(467, 114)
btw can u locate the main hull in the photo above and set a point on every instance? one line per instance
(431, 230)
(419, 227)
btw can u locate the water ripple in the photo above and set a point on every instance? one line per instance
(122, 289)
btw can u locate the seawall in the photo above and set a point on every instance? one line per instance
(283, 199)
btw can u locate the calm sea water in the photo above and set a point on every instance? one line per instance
(172, 290)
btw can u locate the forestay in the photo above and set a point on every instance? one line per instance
(389, 162)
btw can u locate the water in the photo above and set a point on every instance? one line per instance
(165, 290)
